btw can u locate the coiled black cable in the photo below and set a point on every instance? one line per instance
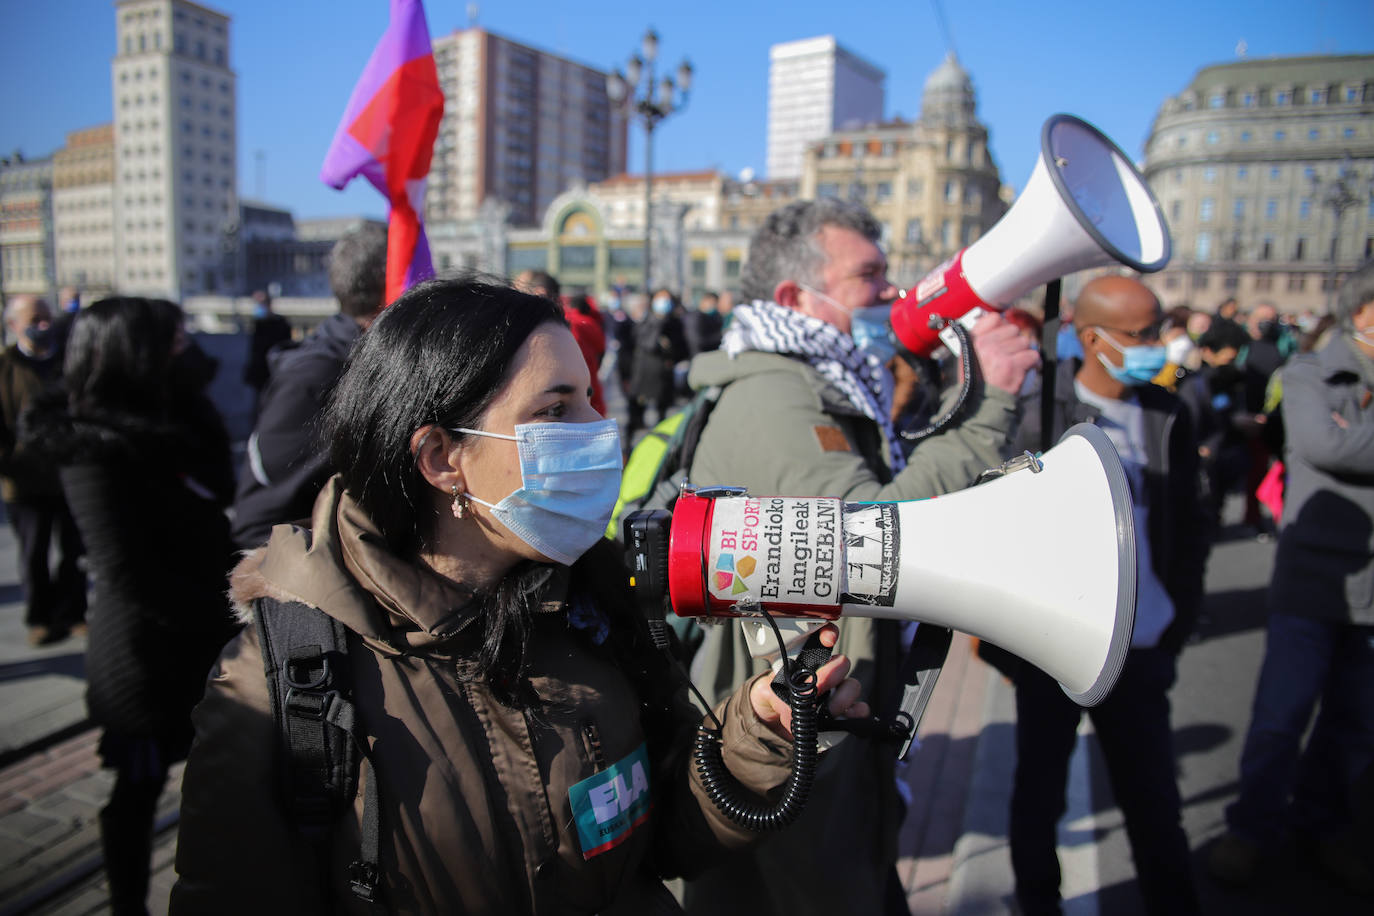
(966, 362)
(722, 787)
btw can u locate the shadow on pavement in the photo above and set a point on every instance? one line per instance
(1230, 612)
(73, 665)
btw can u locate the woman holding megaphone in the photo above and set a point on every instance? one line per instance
(520, 745)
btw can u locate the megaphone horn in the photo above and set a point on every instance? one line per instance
(1085, 205)
(977, 561)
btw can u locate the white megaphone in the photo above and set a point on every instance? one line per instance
(980, 561)
(1085, 205)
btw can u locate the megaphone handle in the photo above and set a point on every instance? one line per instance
(812, 655)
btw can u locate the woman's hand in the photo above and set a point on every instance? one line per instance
(777, 714)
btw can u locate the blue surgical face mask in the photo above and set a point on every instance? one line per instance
(1140, 364)
(260, 311)
(570, 480)
(663, 305)
(871, 329)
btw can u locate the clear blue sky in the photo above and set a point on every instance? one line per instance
(297, 61)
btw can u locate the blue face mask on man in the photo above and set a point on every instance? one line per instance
(871, 329)
(1140, 364)
(570, 480)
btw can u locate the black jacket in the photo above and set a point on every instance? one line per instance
(1178, 526)
(159, 554)
(286, 466)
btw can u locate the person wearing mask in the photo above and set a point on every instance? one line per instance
(659, 345)
(269, 330)
(1319, 649)
(1118, 322)
(805, 411)
(704, 325)
(31, 371)
(285, 464)
(526, 746)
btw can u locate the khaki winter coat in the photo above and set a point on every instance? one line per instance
(474, 795)
(781, 429)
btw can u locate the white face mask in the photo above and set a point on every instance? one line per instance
(1177, 350)
(570, 480)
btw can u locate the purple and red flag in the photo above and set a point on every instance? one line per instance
(387, 135)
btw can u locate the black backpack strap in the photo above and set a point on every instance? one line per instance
(305, 660)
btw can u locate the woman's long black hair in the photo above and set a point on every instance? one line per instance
(438, 355)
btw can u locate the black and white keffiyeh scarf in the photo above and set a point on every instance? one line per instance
(767, 327)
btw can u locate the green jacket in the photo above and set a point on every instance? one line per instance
(781, 429)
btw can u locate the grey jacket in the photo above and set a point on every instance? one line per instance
(1325, 563)
(780, 428)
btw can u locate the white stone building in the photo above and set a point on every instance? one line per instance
(175, 174)
(816, 87)
(1244, 161)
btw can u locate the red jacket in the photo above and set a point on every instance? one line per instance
(591, 339)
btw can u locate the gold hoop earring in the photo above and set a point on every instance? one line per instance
(460, 503)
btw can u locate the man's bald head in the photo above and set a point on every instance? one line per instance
(1113, 302)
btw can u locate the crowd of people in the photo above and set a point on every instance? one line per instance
(430, 689)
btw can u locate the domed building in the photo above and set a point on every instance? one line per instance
(931, 182)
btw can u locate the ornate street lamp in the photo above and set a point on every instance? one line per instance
(637, 92)
(1347, 189)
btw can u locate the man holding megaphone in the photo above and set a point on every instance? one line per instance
(803, 411)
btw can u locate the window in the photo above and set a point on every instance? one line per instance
(1248, 100)
(947, 234)
(732, 267)
(1305, 208)
(1275, 173)
(1282, 97)
(1309, 174)
(1182, 141)
(1209, 174)
(883, 190)
(951, 191)
(1213, 137)
(1267, 248)
(1314, 134)
(1205, 209)
(1296, 282)
(1201, 278)
(698, 268)
(1278, 136)
(1204, 246)
(1316, 96)
(1245, 136)
(1349, 132)
(913, 231)
(1218, 100)
(1352, 94)
(828, 189)
(1264, 283)
(1271, 209)
(1242, 173)
(914, 187)
(1176, 210)
(1300, 249)
(1238, 209)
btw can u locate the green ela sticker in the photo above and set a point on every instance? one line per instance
(609, 805)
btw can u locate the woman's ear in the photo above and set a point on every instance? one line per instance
(436, 456)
